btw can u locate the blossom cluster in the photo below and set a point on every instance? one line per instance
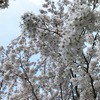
(66, 36)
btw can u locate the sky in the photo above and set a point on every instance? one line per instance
(10, 18)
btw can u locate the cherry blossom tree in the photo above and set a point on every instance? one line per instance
(4, 4)
(66, 35)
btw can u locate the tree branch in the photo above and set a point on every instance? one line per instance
(93, 46)
(72, 86)
(61, 91)
(94, 92)
(27, 78)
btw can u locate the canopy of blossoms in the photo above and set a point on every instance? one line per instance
(66, 36)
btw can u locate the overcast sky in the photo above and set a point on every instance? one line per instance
(10, 18)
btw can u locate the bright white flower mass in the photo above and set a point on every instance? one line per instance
(64, 71)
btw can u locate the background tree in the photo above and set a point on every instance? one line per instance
(4, 4)
(66, 36)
